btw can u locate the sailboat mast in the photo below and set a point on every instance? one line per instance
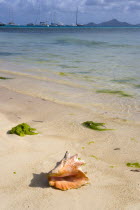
(11, 15)
(38, 14)
(76, 16)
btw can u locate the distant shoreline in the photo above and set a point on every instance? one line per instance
(22, 26)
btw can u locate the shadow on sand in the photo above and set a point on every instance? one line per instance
(39, 180)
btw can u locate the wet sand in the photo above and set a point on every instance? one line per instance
(25, 161)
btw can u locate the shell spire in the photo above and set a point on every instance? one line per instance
(67, 174)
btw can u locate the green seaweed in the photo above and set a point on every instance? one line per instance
(4, 78)
(22, 130)
(117, 92)
(14, 172)
(111, 166)
(134, 165)
(83, 147)
(93, 156)
(63, 74)
(133, 139)
(137, 86)
(95, 126)
(91, 142)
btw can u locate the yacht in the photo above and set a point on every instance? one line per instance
(30, 24)
(11, 24)
(2, 24)
(44, 24)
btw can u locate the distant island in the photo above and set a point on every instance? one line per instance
(110, 23)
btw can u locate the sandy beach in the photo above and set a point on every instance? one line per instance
(54, 81)
(25, 161)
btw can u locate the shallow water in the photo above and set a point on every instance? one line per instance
(69, 66)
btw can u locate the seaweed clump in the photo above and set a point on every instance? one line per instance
(93, 156)
(117, 92)
(134, 165)
(91, 142)
(4, 78)
(62, 73)
(95, 126)
(22, 130)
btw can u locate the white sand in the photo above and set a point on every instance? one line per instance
(113, 186)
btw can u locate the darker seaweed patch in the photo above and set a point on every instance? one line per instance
(95, 126)
(134, 165)
(137, 86)
(125, 80)
(67, 67)
(22, 130)
(4, 78)
(117, 92)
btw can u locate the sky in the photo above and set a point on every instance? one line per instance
(27, 11)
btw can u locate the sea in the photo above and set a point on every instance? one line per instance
(90, 68)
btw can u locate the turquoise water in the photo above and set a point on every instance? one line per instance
(77, 61)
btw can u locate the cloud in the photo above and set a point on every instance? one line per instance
(27, 10)
(113, 3)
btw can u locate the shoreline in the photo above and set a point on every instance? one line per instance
(112, 184)
(60, 91)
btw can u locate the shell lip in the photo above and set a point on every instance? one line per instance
(67, 174)
(69, 178)
(62, 175)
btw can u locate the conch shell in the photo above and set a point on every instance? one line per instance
(67, 173)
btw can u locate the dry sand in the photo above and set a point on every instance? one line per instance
(25, 161)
